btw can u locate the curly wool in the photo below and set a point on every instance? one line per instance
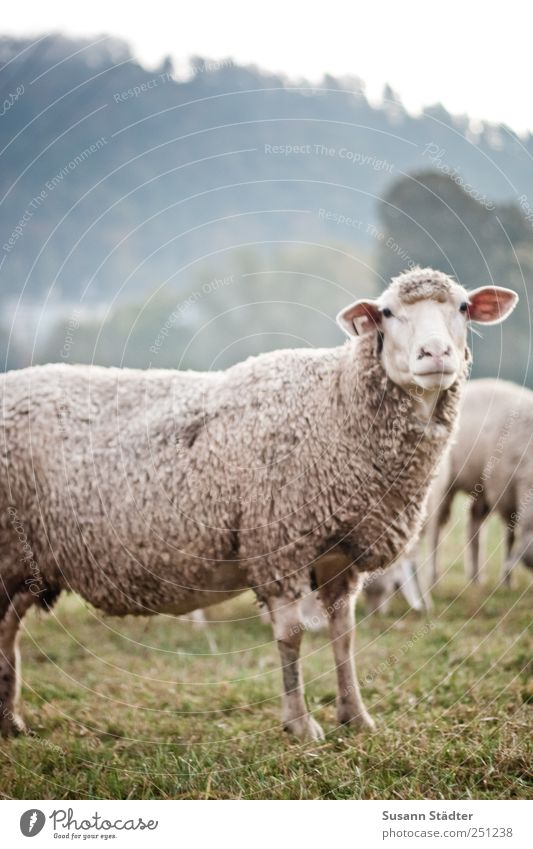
(164, 491)
(420, 284)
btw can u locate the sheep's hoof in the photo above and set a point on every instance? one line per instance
(305, 728)
(12, 726)
(359, 721)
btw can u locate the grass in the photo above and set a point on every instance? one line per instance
(138, 708)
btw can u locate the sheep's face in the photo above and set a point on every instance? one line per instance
(421, 323)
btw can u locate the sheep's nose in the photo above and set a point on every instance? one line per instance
(434, 348)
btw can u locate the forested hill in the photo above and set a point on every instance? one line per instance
(116, 177)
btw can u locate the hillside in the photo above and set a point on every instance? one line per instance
(118, 176)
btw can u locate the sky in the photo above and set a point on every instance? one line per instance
(472, 58)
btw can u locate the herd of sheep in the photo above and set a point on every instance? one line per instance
(293, 473)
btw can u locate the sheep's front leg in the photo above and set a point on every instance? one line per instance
(10, 721)
(288, 629)
(340, 609)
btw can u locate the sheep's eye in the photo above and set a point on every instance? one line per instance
(387, 312)
(463, 307)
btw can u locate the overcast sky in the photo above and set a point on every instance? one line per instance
(467, 55)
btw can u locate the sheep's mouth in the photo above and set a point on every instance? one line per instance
(434, 373)
(441, 379)
(440, 373)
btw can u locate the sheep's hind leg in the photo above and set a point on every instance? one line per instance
(11, 723)
(288, 629)
(510, 559)
(338, 599)
(478, 512)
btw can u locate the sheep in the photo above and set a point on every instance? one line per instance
(490, 461)
(312, 614)
(199, 621)
(379, 587)
(163, 491)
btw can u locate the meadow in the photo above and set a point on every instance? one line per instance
(144, 709)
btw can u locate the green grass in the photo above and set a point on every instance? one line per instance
(141, 709)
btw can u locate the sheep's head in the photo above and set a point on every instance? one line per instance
(421, 323)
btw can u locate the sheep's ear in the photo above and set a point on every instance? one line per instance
(359, 318)
(491, 304)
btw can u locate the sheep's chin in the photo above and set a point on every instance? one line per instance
(435, 381)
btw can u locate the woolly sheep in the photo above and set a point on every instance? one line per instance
(167, 491)
(491, 461)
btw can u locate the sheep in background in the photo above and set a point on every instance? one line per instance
(312, 613)
(199, 621)
(166, 491)
(491, 460)
(379, 587)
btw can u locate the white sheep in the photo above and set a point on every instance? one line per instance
(167, 491)
(490, 461)
(379, 587)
